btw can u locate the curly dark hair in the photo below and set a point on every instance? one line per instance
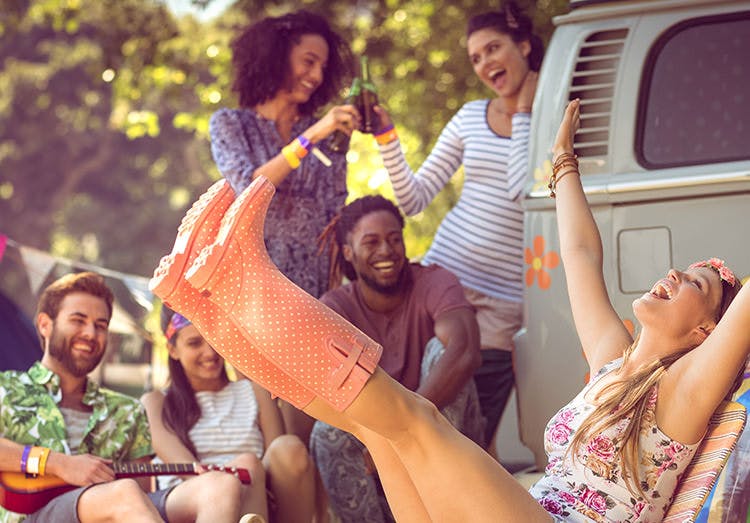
(259, 71)
(510, 20)
(334, 235)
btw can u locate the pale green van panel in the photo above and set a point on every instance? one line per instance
(650, 219)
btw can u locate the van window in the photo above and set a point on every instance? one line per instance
(695, 94)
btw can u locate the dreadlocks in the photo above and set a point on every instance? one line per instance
(335, 234)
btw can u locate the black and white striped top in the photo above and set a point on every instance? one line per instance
(228, 426)
(481, 239)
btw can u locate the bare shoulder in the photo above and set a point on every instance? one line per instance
(153, 399)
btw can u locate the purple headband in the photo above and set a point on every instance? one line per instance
(176, 323)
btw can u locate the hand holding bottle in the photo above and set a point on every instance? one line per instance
(384, 119)
(340, 119)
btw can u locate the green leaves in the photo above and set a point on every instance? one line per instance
(104, 111)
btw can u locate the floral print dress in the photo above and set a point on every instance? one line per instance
(241, 141)
(592, 488)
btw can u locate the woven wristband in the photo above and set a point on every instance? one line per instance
(25, 457)
(291, 156)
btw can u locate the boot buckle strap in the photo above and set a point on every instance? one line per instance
(353, 350)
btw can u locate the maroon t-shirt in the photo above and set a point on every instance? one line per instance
(405, 331)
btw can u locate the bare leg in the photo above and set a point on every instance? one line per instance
(403, 498)
(252, 497)
(291, 478)
(213, 496)
(456, 480)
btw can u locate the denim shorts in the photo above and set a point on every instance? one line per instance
(64, 508)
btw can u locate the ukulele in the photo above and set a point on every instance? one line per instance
(25, 494)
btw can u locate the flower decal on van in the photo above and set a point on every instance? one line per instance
(537, 261)
(541, 176)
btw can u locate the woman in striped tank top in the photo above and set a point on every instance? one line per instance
(205, 417)
(481, 239)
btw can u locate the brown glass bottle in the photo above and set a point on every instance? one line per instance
(368, 100)
(339, 139)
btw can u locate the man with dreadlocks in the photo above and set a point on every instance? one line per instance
(426, 326)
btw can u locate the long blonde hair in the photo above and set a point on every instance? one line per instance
(624, 399)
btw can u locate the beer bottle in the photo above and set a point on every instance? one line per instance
(339, 139)
(368, 99)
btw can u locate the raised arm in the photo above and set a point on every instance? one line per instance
(518, 160)
(602, 333)
(413, 191)
(234, 155)
(704, 377)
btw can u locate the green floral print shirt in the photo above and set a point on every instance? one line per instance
(29, 415)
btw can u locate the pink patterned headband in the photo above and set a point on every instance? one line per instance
(719, 266)
(176, 323)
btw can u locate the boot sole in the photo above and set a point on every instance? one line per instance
(171, 267)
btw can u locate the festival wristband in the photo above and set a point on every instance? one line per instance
(25, 457)
(386, 135)
(291, 156)
(43, 461)
(32, 464)
(305, 143)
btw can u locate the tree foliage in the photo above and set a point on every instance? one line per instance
(104, 108)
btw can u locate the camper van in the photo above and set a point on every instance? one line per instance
(664, 152)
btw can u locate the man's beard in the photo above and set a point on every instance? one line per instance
(60, 348)
(404, 278)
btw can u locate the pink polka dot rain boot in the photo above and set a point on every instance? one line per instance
(323, 351)
(198, 229)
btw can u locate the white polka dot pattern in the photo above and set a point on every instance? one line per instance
(198, 229)
(301, 335)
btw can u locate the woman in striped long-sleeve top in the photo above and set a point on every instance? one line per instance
(481, 238)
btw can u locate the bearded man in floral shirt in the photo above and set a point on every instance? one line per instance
(55, 421)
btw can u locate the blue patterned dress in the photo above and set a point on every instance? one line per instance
(241, 141)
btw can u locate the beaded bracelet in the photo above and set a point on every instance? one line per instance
(25, 457)
(562, 161)
(386, 135)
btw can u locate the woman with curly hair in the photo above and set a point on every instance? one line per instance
(285, 69)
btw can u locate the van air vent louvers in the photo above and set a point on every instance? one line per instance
(594, 83)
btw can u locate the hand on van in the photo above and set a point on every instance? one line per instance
(568, 127)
